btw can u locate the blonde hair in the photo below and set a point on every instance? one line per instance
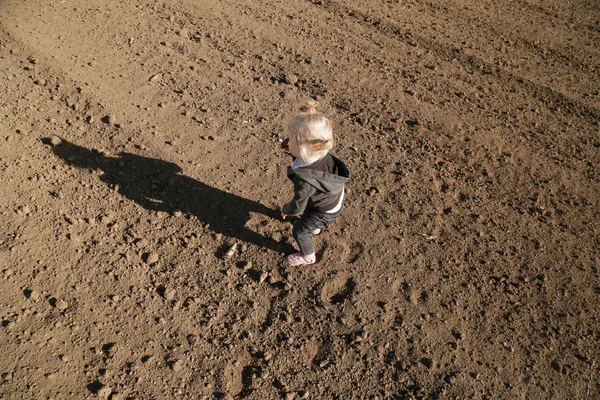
(312, 132)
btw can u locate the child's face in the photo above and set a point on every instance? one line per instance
(294, 149)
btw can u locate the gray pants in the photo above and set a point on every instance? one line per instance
(309, 222)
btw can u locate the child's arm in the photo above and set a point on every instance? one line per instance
(302, 192)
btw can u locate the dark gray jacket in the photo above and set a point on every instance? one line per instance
(317, 186)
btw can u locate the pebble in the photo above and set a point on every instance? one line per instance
(291, 79)
(55, 141)
(7, 376)
(373, 191)
(62, 305)
(151, 258)
(192, 339)
(246, 265)
(104, 392)
(170, 295)
(176, 366)
(263, 277)
(290, 396)
(231, 250)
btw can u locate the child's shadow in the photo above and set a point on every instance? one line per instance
(158, 185)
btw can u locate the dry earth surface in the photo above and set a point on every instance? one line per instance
(139, 144)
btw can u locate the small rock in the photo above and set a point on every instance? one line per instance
(41, 82)
(290, 396)
(176, 366)
(34, 295)
(291, 79)
(104, 392)
(55, 141)
(192, 339)
(263, 277)
(246, 265)
(62, 305)
(231, 250)
(7, 376)
(151, 258)
(177, 213)
(170, 295)
(373, 191)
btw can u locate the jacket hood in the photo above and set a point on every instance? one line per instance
(325, 181)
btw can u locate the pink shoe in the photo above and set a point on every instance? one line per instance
(300, 259)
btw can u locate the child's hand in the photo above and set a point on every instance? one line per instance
(285, 144)
(283, 215)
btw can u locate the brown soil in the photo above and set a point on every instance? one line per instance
(465, 264)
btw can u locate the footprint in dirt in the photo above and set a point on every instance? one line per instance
(338, 290)
(338, 251)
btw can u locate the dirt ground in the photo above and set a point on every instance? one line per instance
(139, 144)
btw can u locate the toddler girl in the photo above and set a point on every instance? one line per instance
(318, 178)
